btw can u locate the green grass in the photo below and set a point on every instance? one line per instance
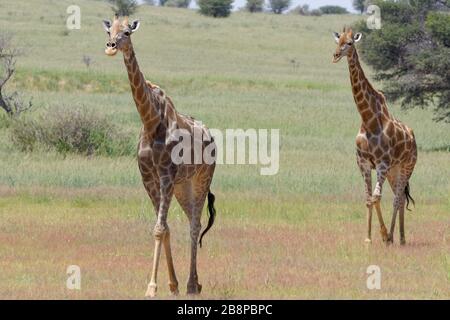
(307, 221)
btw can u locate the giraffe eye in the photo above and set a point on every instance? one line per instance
(127, 33)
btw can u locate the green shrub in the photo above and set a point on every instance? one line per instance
(316, 12)
(124, 7)
(438, 24)
(333, 10)
(254, 5)
(5, 121)
(302, 10)
(278, 6)
(215, 8)
(71, 130)
(177, 3)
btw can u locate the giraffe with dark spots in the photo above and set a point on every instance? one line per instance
(383, 143)
(162, 178)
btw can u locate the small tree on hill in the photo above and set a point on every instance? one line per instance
(302, 10)
(177, 3)
(124, 7)
(333, 10)
(215, 8)
(360, 5)
(254, 5)
(278, 6)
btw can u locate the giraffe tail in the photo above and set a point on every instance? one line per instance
(212, 215)
(408, 197)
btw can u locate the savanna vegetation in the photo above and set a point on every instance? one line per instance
(297, 234)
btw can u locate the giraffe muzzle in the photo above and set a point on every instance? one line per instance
(111, 48)
(336, 57)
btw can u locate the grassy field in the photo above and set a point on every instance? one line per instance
(297, 234)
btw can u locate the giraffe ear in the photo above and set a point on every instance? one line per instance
(134, 25)
(357, 37)
(336, 37)
(106, 25)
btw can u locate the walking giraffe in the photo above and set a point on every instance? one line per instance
(161, 176)
(383, 143)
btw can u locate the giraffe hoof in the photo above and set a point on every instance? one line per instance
(368, 241)
(384, 235)
(194, 289)
(151, 291)
(174, 289)
(389, 241)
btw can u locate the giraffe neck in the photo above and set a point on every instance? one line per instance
(370, 102)
(146, 104)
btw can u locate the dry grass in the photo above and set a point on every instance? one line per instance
(250, 257)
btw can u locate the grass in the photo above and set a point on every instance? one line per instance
(298, 234)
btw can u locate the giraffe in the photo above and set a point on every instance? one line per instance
(161, 176)
(383, 143)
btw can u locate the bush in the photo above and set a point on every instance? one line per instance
(278, 6)
(124, 7)
(303, 10)
(71, 130)
(316, 12)
(177, 3)
(333, 10)
(254, 5)
(438, 24)
(215, 8)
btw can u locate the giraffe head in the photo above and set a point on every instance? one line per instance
(345, 42)
(119, 33)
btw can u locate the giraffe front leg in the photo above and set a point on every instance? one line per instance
(173, 282)
(160, 231)
(152, 286)
(376, 199)
(381, 178)
(366, 172)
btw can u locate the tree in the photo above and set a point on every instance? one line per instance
(149, 2)
(177, 3)
(333, 10)
(411, 53)
(215, 8)
(12, 103)
(302, 10)
(254, 5)
(278, 6)
(359, 5)
(124, 7)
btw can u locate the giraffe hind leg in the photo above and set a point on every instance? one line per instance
(398, 182)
